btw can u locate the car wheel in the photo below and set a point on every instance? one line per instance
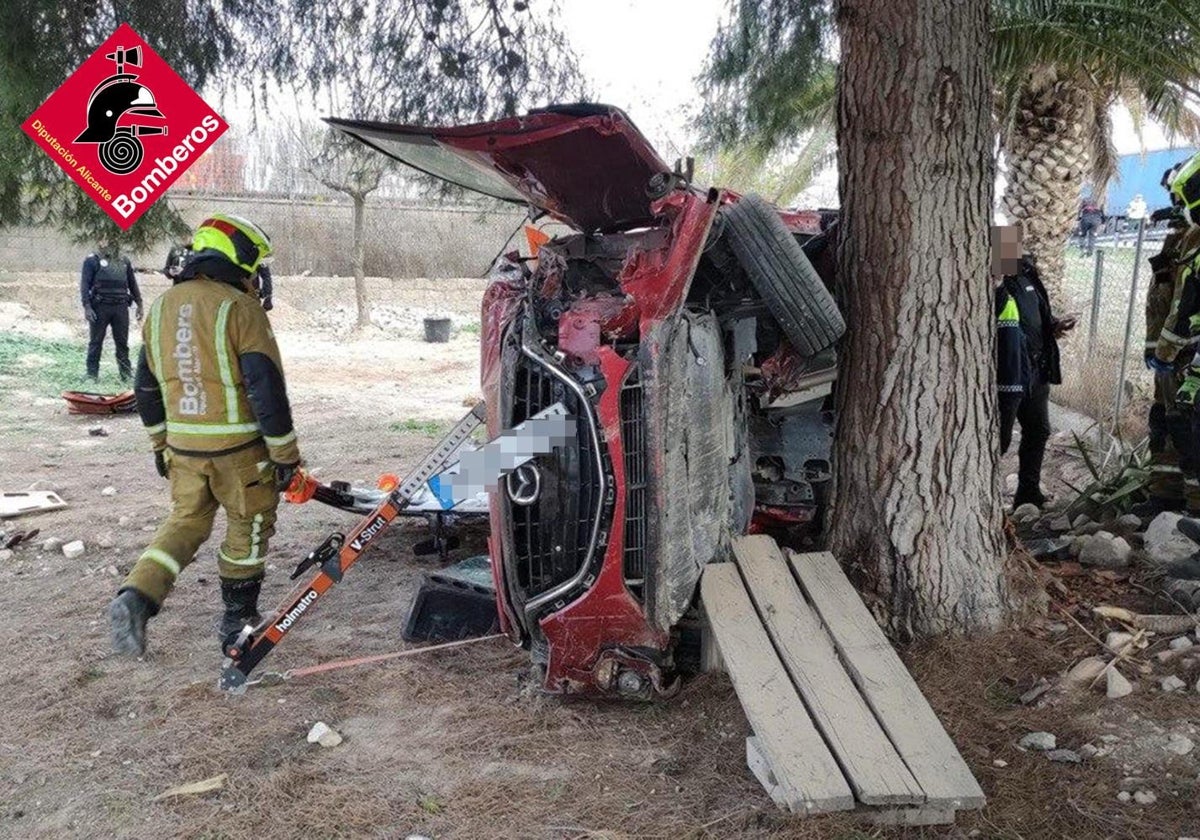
(783, 277)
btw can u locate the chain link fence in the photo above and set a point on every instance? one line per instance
(1104, 376)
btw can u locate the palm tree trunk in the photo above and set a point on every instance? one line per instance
(1047, 155)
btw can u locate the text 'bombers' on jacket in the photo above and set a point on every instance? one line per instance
(210, 379)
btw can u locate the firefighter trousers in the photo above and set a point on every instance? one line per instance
(243, 484)
(1173, 471)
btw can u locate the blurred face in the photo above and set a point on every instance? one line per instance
(1006, 250)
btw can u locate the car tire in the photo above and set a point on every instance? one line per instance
(782, 275)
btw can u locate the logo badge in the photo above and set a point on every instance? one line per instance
(524, 484)
(124, 126)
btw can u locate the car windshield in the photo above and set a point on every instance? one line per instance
(424, 153)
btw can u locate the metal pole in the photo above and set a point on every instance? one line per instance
(1094, 323)
(1137, 267)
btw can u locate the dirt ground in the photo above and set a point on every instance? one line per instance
(446, 745)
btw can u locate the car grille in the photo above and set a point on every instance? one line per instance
(633, 440)
(551, 537)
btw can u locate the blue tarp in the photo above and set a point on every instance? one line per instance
(1141, 173)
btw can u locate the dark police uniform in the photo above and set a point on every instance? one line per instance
(1027, 365)
(107, 287)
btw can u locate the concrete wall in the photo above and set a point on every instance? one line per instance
(402, 240)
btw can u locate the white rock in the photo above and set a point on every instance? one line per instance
(1181, 643)
(1080, 521)
(1164, 543)
(106, 540)
(52, 544)
(1124, 796)
(1026, 513)
(1117, 639)
(1179, 744)
(75, 549)
(1084, 671)
(1144, 797)
(1064, 756)
(1128, 522)
(1089, 751)
(1105, 551)
(1117, 686)
(999, 762)
(1110, 739)
(1172, 683)
(1038, 741)
(6, 554)
(322, 734)
(109, 491)
(125, 521)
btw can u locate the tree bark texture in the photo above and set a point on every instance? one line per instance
(916, 513)
(360, 280)
(1048, 157)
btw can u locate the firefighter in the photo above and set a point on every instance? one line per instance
(107, 288)
(1027, 359)
(1175, 350)
(211, 394)
(1170, 426)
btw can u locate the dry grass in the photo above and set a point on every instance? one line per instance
(452, 745)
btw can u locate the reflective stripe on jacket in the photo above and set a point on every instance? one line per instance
(1181, 329)
(212, 379)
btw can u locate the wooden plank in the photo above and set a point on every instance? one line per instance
(923, 815)
(886, 685)
(799, 759)
(876, 773)
(761, 768)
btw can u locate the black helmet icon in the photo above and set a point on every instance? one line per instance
(113, 98)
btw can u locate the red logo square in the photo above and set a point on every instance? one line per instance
(124, 126)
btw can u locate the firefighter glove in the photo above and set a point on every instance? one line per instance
(1186, 395)
(89, 313)
(160, 462)
(137, 311)
(284, 473)
(267, 304)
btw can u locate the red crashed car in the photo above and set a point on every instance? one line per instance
(691, 336)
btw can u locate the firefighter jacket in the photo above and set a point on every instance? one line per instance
(209, 378)
(108, 280)
(1180, 331)
(1026, 350)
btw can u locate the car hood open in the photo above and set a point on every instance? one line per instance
(586, 165)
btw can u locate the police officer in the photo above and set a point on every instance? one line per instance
(107, 287)
(1174, 352)
(211, 393)
(176, 258)
(1027, 358)
(265, 285)
(1169, 423)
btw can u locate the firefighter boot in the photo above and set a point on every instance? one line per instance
(127, 615)
(241, 606)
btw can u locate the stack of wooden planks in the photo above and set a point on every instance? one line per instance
(838, 721)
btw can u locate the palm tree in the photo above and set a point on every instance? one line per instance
(1059, 66)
